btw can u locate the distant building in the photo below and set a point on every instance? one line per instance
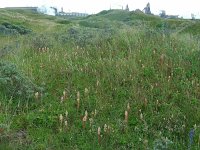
(172, 16)
(47, 10)
(71, 14)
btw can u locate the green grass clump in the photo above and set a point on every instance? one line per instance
(121, 86)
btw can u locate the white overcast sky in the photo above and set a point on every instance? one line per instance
(172, 7)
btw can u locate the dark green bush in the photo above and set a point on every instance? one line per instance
(14, 84)
(11, 29)
(7, 31)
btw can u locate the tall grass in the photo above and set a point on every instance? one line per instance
(155, 74)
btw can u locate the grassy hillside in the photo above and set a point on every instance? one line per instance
(115, 80)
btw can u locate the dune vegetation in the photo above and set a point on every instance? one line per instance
(114, 80)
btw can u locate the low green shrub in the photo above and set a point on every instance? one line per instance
(14, 84)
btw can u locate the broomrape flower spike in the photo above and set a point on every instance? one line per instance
(105, 128)
(84, 121)
(141, 116)
(86, 91)
(64, 95)
(91, 122)
(61, 119)
(145, 102)
(78, 100)
(66, 114)
(36, 95)
(61, 99)
(95, 112)
(86, 114)
(99, 135)
(126, 117)
(66, 124)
